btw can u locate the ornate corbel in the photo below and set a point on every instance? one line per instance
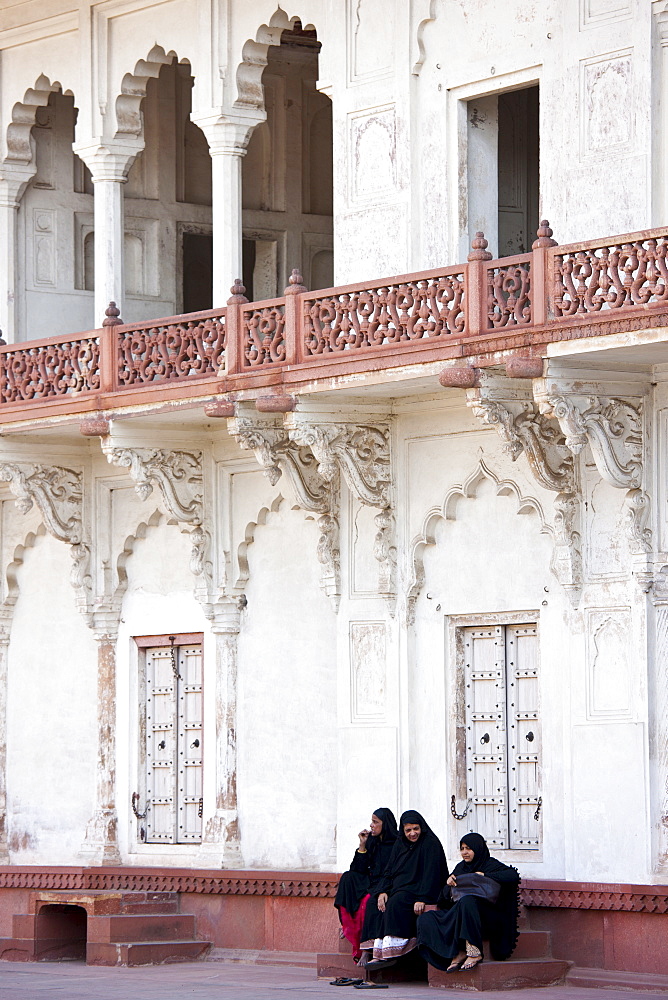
(178, 475)
(613, 429)
(57, 493)
(524, 429)
(361, 454)
(179, 478)
(277, 454)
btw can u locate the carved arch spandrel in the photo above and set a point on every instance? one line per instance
(249, 538)
(156, 518)
(448, 512)
(427, 15)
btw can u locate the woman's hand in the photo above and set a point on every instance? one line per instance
(363, 836)
(451, 881)
(418, 908)
(382, 900)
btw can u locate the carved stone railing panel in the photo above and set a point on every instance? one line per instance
(509, 293)
(610, 276)
(263, 331)
(52, 369)
(408, 311)
(179, 348)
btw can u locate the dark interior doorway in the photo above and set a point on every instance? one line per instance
(197, 271)
(60, 933)
(518, 154)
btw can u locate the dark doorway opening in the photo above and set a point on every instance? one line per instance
(60, 933)
(518, 153)
(197, 271)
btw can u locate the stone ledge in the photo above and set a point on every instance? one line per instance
(611, 979)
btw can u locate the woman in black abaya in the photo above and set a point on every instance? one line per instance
(451, 937)
(413, 877)
(360, 882)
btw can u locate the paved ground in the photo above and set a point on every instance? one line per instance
(216, 981)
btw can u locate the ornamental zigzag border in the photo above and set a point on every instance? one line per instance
(212, 883)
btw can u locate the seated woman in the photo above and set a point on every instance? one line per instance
(369, 862)
(451, 937)
(413, 877)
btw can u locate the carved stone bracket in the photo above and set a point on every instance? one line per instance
(361, 454)
(57, 493)
(613, 428)
(524, 429)
(277, 454)
(178, 476)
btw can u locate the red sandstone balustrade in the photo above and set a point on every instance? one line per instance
(483, 305)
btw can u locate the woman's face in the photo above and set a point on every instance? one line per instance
(466, 853)
(376, 826)
(412, 831)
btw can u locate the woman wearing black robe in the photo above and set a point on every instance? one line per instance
(413, 877)
(360, 883)
(451, 937)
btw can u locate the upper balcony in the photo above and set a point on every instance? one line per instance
(486, 311)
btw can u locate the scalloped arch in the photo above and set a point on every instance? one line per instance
(448, 511)
(19, 147)
(249, 538)
(250, 92)
(133, 90)
(422, 26)
(11, 573)
(156, 518)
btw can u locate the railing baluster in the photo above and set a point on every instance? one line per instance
(541, 273)
(234, 340)
(476, 287)
(293, 318)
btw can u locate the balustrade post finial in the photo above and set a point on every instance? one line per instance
(479, 248)
(238, 290)
(544, 234)
(112, 315)
(296, 283)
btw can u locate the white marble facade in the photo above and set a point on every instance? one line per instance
(335, 598)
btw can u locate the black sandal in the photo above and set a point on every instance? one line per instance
(370, 986)
(475, 960)
(346, 981)
(456, 965)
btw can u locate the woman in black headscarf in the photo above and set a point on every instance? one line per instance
(451, 937)
(357, 885)
(413, 877)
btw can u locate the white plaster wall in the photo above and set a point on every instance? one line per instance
(52, 713)
(158, 601)
(287, 702)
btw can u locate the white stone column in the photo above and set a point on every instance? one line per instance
(220, 840)
(109, 165)
(12, 186)
(228, 142)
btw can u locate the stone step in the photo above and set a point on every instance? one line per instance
(333, 964)
(145, 952)
(610, 979)
(256, 956)
(125, 927)
(509, 975)
(531, 944)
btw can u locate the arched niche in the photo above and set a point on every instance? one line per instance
(287, 170)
